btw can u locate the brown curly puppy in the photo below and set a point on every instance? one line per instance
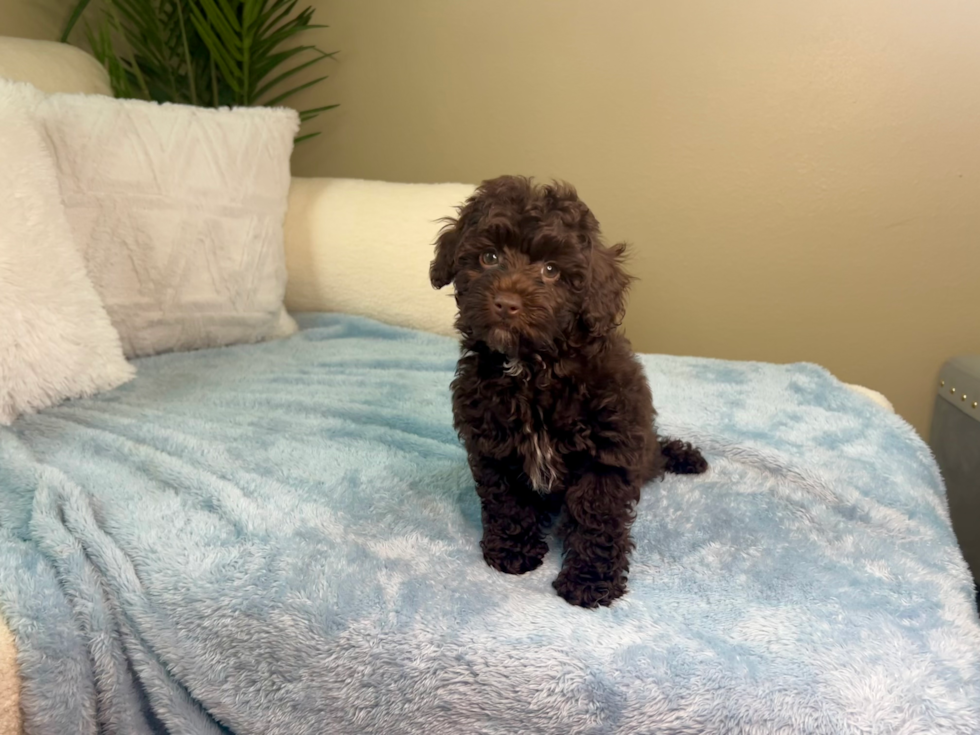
(551, 403)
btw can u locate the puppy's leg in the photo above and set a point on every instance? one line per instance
(596, 532)
(513, 516)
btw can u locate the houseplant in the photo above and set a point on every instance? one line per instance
(212, 53)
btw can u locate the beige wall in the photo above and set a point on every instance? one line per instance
(801, 181)
(42, 19)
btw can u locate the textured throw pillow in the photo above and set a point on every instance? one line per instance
(178, 212)
(56, 341)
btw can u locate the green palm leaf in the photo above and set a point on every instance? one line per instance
(259, 93)
(289, 93)
(73, 19)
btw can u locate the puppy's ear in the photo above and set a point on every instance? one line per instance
(443, 269)
(605, 301)
(445, 265)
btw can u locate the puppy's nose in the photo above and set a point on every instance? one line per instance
(507, 304)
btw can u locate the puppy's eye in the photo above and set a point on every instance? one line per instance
(489, 257)
(550, 272)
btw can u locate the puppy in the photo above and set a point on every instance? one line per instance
(549, 399)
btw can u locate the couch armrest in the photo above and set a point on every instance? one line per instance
(364, 247)
(52, 67)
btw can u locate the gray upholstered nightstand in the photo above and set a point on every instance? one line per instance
(955, 440)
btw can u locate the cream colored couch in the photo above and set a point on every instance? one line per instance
(360, 247)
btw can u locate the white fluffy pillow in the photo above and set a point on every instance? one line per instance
(56, 341)
(178, 212)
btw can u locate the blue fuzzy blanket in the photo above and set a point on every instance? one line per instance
(284, 538)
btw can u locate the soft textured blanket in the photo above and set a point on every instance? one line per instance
(283, 538)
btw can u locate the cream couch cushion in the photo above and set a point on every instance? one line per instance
(52, 67)
(364, 247)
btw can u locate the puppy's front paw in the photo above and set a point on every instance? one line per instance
(589, 592)
(515, 558)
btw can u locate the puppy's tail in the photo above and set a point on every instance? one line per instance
(682, 458)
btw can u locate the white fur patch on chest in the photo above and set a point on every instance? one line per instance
(539, 461)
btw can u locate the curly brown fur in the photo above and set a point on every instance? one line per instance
(549, 399)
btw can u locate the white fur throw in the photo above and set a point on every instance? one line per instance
(56, 341)
(179, 213)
